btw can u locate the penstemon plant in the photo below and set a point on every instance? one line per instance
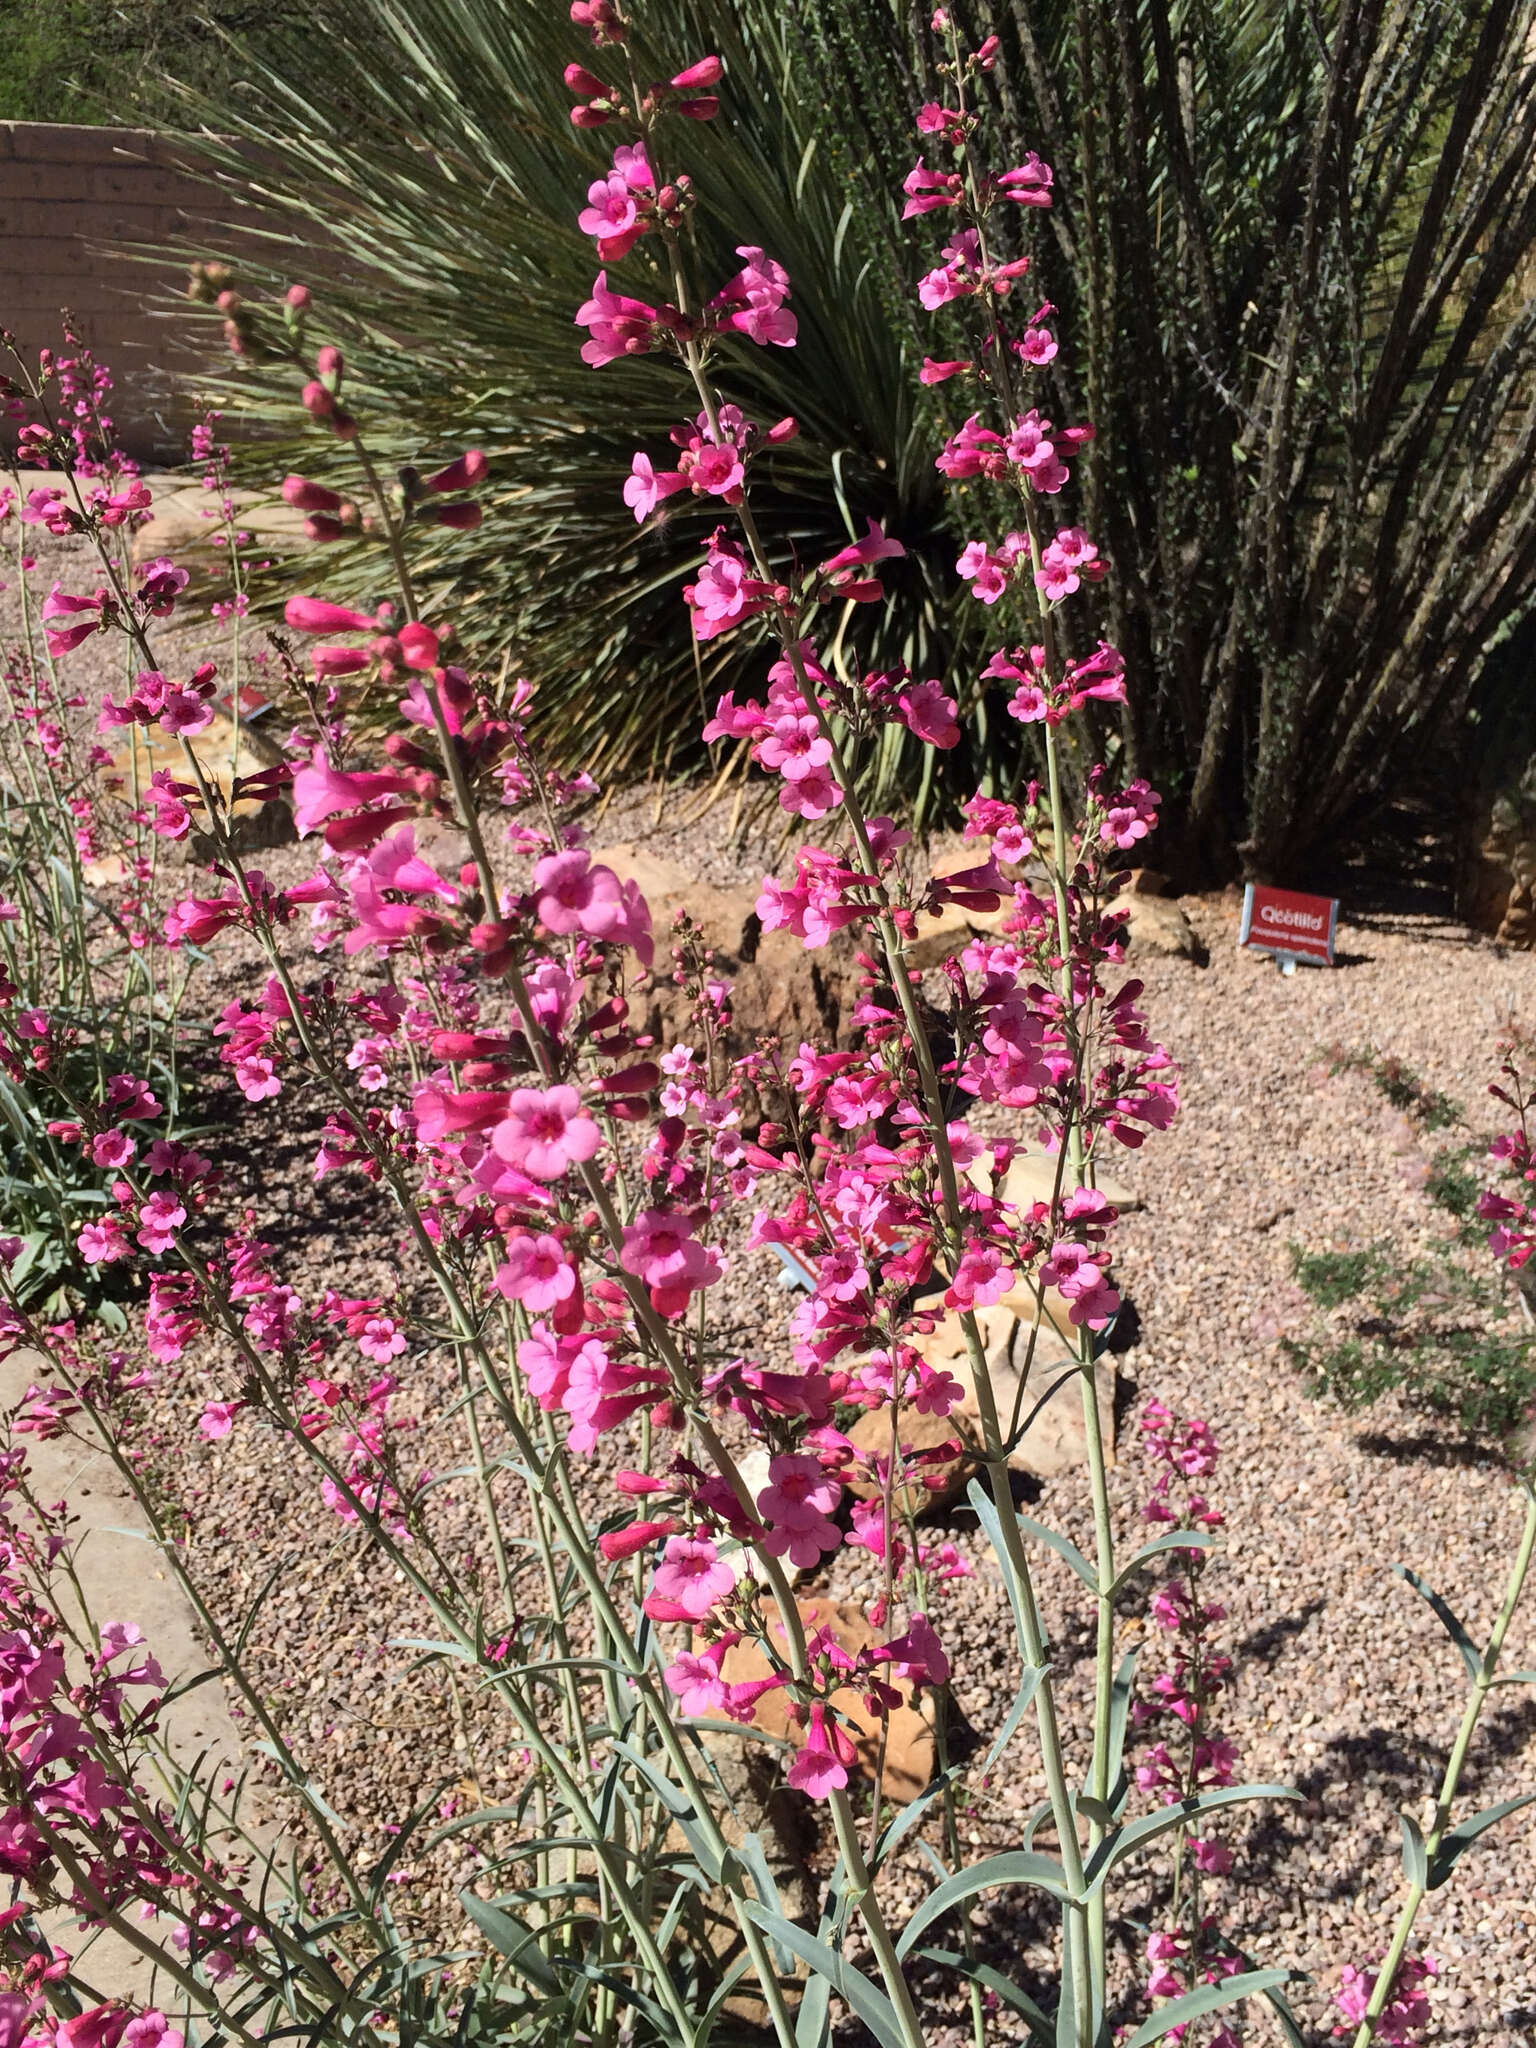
(569, 1201)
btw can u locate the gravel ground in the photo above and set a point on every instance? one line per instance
(1347, 1687)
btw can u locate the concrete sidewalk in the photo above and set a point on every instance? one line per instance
(124, 1578)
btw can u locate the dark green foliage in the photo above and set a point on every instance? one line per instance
(1454, 1185)
(1447, 1340)
(99, 61)
(1332, 1278)
(1291, 245)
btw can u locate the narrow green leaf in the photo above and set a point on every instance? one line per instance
(1415, 1859)
(1028, 1687)
(1209, 1998)
(1063, 1547)
(1041, 2031)
(1014, 1866)
(514, 1939)
(679, 1806)
(1126, 1841)
(1453, 1626)
(716, 2006)
(1458, 1840)
(1119, 1717)
(750, 1851)
(852, 1987)
(1171, 1539)
(1517, 1678)
(908, 1817)
(1279, 2005)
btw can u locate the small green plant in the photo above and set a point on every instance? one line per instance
(1446, 1339)
(1454, 1342)
(1402, 1086)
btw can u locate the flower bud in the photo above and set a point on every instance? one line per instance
(620, 1543)
(783, 430)
(338, 661)
(297, 296)
(318, 402)
(461, 475)
(463, 515)
(418, 646)
(323, 526)
(706, 72)
(588, 117)
(637, 1483)
(343, 425)
(229, 302)
(310, 497)
(580, 79)
(330, 363)
(703, 109)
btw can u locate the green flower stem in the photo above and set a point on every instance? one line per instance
(1482, 1685)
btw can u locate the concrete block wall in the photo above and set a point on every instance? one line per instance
(73, 203)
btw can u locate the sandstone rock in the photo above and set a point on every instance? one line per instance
(147, 749)
(778, 985)
(909, 1744)
(938, 1483)
(1496, 891)
(1158, 925)
(1056, 1440)
(1145, 882)
(1031, 1177)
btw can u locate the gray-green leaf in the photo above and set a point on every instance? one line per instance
(1014, 1866)
(1460, 1839)
(1209, 1998)
(1453, 1626)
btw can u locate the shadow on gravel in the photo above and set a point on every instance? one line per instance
(1266, 1643)
(1427, 1450)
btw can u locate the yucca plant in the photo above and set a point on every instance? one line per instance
(1297, 239)
(426, 193)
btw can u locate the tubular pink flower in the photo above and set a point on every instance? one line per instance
(536, 1272)
(545, 1133)
(320, 791)
(618, 326)
(692, 1574)
(646, 487)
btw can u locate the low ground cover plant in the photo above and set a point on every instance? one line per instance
(1451, 1336)
(462, 988)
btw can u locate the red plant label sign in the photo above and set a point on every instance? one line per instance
(1285, 921)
